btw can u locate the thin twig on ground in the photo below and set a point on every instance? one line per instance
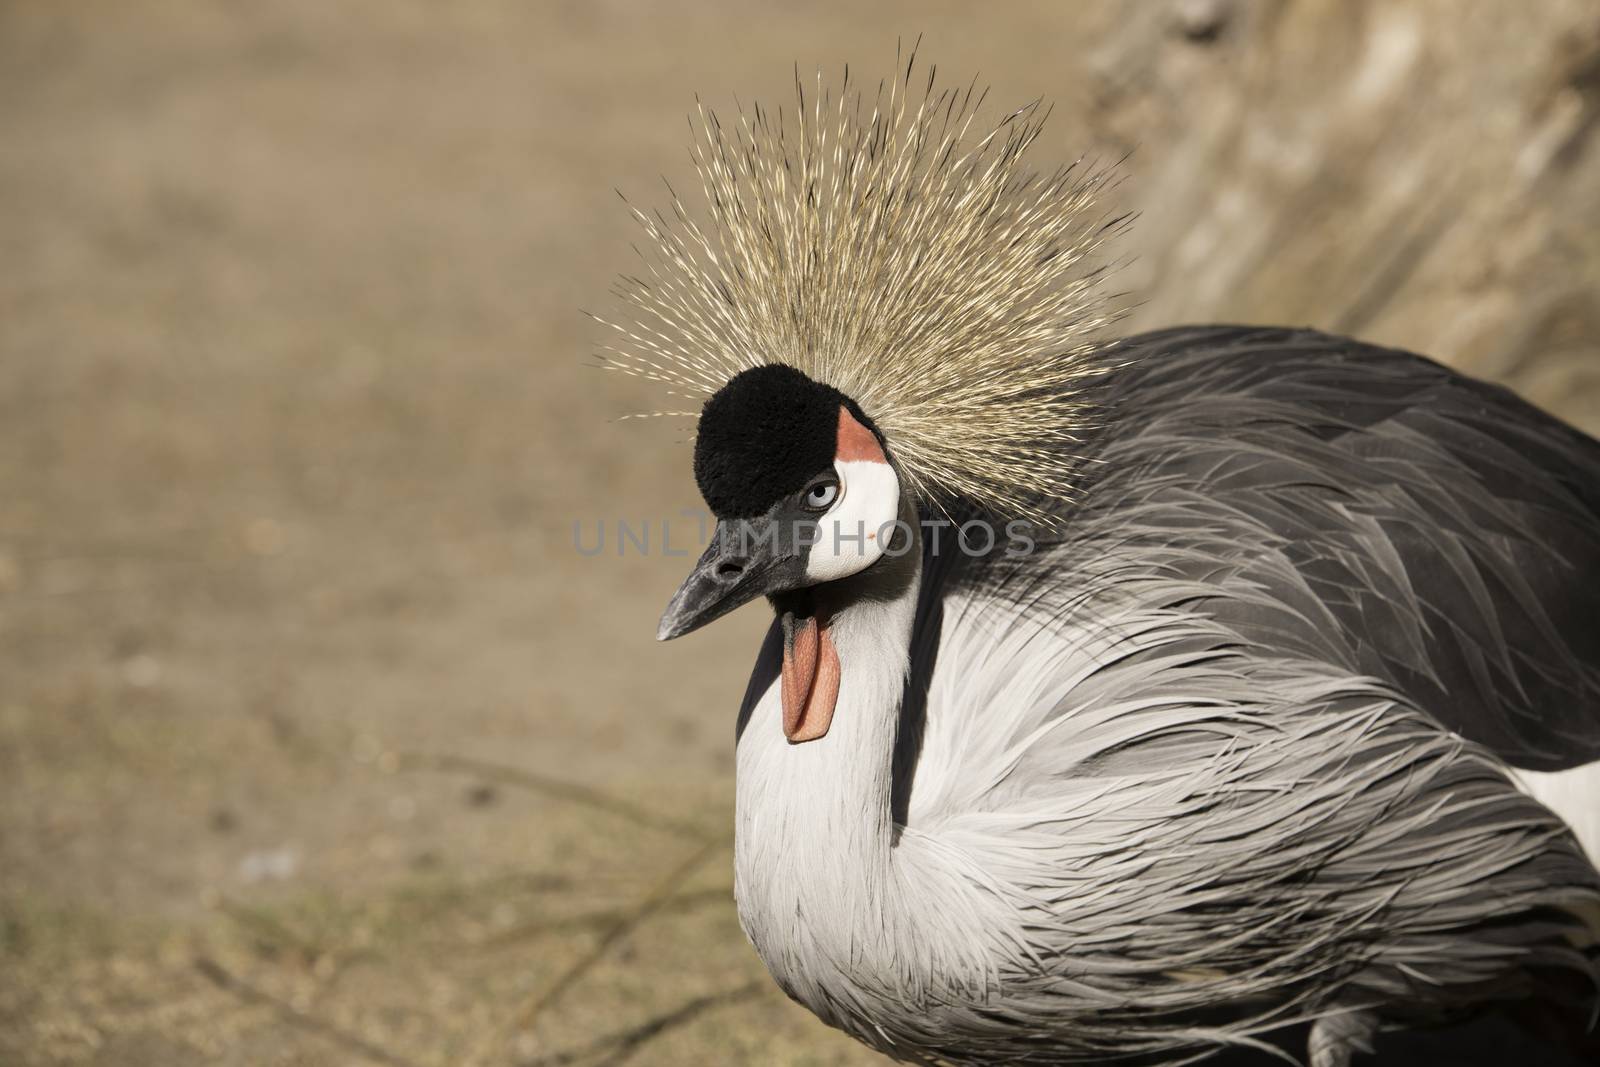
(526, 1015)
(616, 1048)
(220, 977)
(553, 787)
(271, 934)
(595, 920)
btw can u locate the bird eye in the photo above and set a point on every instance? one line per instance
(820, 497)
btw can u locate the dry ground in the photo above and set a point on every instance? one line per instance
(301, 678)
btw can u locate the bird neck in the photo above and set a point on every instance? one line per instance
(815, 830)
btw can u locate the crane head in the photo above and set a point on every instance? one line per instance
(804, 493)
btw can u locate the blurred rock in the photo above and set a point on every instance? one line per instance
(270, 865)
(1415, 172)
(1202, 20)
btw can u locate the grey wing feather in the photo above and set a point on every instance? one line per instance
(1440, 533)
(1268, 520)
(1197, 740)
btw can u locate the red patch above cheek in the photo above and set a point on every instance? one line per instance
(856, 441)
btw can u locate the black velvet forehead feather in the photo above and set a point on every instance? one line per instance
(765, 435)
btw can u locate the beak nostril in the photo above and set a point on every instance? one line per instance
(729, 569)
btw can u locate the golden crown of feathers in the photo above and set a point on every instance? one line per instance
(892, 251)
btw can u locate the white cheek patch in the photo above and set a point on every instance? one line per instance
(851, 534)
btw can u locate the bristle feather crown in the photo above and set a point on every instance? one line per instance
(888, 250)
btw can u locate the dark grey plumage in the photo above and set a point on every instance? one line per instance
(1411, 523)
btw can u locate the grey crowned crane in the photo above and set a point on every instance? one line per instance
(1200, 693)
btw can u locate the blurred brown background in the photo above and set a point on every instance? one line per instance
(301, 678)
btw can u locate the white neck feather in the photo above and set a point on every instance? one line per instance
(814, 830)
(836, 902)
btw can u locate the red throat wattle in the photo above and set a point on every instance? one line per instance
(810, 662)
(810, 681)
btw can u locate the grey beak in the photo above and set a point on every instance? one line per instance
(738, 566)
